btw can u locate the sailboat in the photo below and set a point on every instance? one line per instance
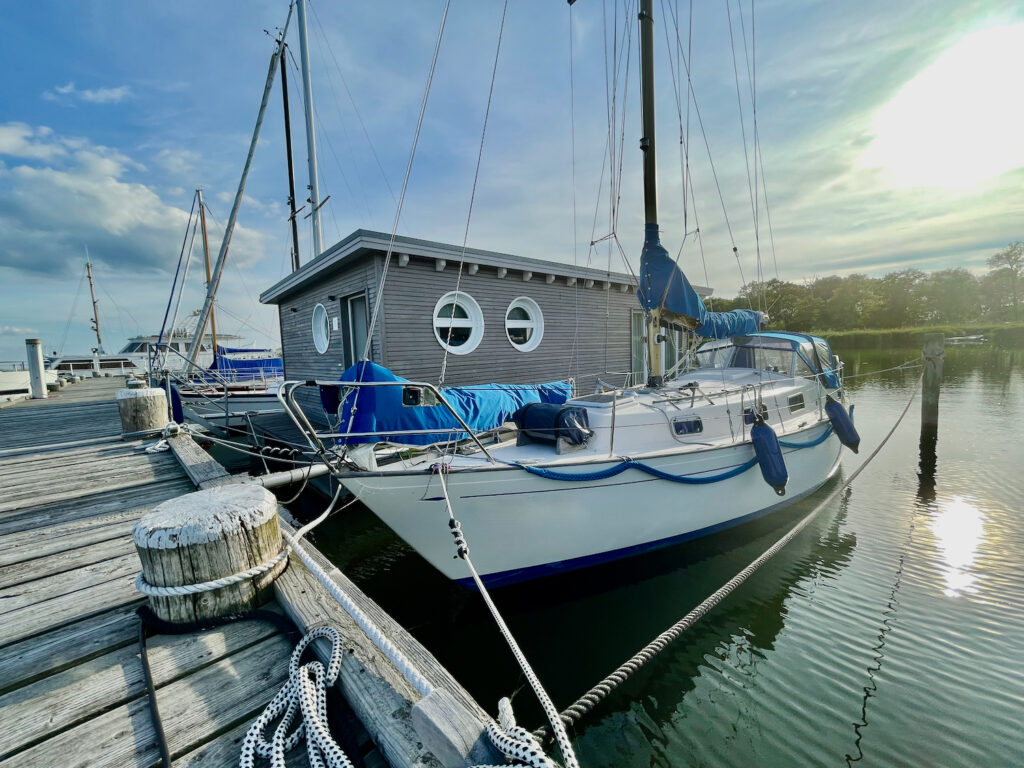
(543, 482)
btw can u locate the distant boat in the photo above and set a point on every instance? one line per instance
(976, 339)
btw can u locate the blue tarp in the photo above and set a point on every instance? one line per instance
(380, 409)
(221, 350)
(664, 286)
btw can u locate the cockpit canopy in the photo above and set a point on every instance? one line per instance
(794, 354)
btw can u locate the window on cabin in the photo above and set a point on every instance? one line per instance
(458, 323)
(354, 327)
(524, 324)
(321, 327)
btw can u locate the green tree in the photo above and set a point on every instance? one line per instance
(1009, 265)
(951, 296)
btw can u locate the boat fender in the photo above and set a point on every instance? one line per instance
(842, 424)
(769, 456)
(177, 412)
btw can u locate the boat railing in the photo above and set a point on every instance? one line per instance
(316, 438)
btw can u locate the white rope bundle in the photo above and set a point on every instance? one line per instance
(514, 741)
(304, 694)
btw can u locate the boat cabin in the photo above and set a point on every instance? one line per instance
(501, 318)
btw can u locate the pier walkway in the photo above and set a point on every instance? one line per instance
(71, 680)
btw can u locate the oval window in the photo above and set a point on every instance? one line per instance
(458, 323)
(524, 324)
(321, 329)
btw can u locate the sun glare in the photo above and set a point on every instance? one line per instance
(960, 121)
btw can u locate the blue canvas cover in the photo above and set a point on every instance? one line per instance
(379, 409)
(663, 285)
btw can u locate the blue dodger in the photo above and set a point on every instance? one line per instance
(769, 456)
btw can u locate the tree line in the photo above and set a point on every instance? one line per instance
(901, 299)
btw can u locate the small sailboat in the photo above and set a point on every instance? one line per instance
(749, 421)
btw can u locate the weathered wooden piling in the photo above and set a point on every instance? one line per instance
(205, 536)
(142, 410)
(34, 353)
(934, 344)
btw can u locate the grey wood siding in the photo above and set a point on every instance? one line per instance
(599, 344)
(301, 360)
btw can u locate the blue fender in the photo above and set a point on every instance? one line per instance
(769, 457)
(842, 424)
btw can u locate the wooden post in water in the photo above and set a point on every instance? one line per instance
(934, 344)
(208, 535)
(143, 410)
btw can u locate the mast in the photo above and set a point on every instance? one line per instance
(651, 239)
(218, 269)
(307, 100)
(291, 168)
(95, 304)
(206, 254)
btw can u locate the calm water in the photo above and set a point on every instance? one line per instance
(890, 632)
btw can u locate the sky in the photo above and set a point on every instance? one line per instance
(885, 136)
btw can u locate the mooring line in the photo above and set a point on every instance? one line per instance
(599, 692)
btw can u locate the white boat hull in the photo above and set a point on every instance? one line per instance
(520, 525)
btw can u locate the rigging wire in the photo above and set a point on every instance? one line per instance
(405, 182)
(472, 195)
(71, 314)
(573, 359)
(355, 108)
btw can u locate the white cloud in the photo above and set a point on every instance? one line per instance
(177, 161)
(83, 195)
(20, 140)
(16, 330)
(66, 94)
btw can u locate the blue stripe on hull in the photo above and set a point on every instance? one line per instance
(518, 575)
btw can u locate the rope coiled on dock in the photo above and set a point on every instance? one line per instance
(303, 695)
(595, 695)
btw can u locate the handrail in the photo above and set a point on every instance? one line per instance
(310, 431)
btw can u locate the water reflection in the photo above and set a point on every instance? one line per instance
(959, 528)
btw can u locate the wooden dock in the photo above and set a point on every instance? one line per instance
(71, 682)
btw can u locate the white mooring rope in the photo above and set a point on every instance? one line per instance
(305, 695)
(513, 742)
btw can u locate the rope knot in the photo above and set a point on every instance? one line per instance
(461, 547)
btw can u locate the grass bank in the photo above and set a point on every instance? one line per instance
(1000, 334)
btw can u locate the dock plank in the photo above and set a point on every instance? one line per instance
(41, 568)
(29, 660)
(47, 587)
(194, 710)
(68, 698)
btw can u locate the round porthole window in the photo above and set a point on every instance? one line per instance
(524, 324)
(458, 323)
(321, 329)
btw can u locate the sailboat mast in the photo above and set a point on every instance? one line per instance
(206, 255)
(651, 240)
(307, 100)
(95, 304)
(291, 169)
(646, 17)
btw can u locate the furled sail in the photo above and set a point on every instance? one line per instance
(664, 287)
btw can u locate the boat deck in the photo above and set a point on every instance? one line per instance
(71, 681)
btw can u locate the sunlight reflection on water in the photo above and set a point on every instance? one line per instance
(959, 529)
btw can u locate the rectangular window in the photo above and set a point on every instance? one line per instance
(796, 403)
(355, 323)
(687, 426)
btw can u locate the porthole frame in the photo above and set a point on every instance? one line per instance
(536, 322)
(474, 321)
(321, 320)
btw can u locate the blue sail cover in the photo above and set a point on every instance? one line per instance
(664, 286)
(379, 409)
(242, 369)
